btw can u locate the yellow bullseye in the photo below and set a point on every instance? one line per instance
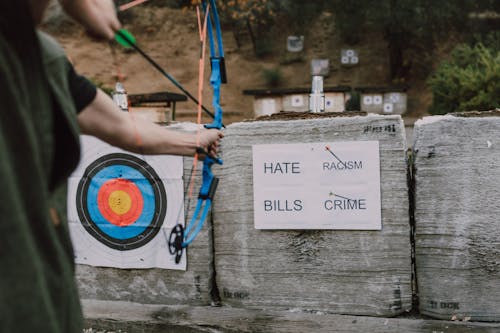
(120, 202)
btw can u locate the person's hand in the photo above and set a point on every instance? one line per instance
(97, 16)
(209, 140)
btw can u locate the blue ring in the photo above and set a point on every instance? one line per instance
(148, 211)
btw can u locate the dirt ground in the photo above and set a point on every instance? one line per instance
(170, 36)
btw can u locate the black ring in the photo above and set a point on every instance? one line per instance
(149, 174)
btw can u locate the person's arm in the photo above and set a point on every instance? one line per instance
(102, 119)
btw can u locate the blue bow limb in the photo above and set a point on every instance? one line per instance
(179, 238)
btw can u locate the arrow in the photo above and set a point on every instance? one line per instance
(328, 149)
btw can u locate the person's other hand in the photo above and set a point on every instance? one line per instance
(97, 16)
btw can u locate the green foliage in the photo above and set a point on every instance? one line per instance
(490, 40)
(354, 102)
(408, 26)
(301, 13)
(260, 13)
(349, 19)
(263, 47)
(469, 81)
(292, 58)
(272, 77)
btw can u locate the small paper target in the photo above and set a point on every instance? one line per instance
(377, 99)
(297, 101)
(349, 57)
(388, 108)
(394, 97)
(367, 100)
(121, 201)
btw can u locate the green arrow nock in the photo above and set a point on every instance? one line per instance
(125, 38)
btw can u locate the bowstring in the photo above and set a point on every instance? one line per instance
(130, 5)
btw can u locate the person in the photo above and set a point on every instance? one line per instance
(39, 148)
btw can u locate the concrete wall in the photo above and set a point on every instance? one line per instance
(350, 272)
(335, 102)
(268, 105)
(457, 182)
(295, 102)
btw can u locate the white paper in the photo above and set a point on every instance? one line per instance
(307, 186)
(90, 250)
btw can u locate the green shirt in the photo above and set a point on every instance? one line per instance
(38, 150)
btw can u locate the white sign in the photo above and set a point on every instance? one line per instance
(332, 185)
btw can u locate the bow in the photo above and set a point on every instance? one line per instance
(181, 237)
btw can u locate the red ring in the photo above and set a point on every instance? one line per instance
(127, 186)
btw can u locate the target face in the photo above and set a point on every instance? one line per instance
(121, 201)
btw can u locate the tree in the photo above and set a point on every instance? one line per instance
(407, 25)
(253, 15)
(469, 81)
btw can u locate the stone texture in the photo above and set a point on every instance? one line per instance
(348, 272)
(457, 181)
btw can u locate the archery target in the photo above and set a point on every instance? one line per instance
(122, 206)
(121, 201)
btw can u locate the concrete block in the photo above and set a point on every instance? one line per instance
(339, 271)
(457, 181)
